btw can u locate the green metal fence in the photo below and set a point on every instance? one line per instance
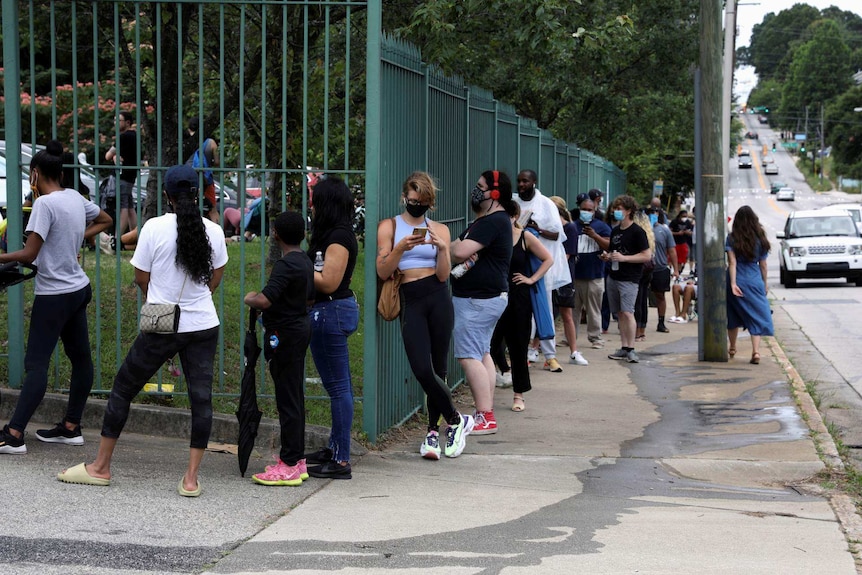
(274, 81)
(454, 131)
(289, 88)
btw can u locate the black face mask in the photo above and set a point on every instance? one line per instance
(416, 211)
(477, 196)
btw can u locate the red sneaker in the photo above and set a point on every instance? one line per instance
(485, 423)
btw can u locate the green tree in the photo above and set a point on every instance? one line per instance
(819, 72)
(845, 133)
(772, 39)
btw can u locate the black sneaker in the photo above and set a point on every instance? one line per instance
(11, 444)
(330, 470)
(59, 434)
(319, 457)
(662, 328)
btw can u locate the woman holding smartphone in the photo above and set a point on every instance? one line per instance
(419, 248)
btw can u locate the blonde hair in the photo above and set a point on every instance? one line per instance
(642, 220)
(423, 184)
(561, 207)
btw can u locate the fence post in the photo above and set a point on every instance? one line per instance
(372, 215)
(15, 232)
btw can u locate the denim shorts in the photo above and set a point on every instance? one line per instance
(475, 320)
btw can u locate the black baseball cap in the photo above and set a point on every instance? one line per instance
(581, 197)
(180, 179)
(596, 193)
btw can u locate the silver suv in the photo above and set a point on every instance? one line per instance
(820, 244)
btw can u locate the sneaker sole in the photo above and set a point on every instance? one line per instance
(277, 482)
(484, 431)
(64, 440)
(429, 454)
(573, 362)
(9, 450)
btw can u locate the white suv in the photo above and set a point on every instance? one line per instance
(820, 244)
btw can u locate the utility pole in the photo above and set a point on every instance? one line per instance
(711, 224)
(822, 143)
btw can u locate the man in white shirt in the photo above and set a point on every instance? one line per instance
(545, 218)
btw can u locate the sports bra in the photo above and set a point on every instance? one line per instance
(422, 256)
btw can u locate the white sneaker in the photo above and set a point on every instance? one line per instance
(532, 354)
(105, 244)
(504, 379)
(578, 359)
(597, 343)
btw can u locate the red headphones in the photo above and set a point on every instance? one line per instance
(495, 189)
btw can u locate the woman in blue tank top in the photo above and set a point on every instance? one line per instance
(419, 248)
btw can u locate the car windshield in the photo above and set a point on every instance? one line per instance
(822, 226)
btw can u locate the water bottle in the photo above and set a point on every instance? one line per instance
(273, 341)
(615, 265)
(318, 262)
(462, 268)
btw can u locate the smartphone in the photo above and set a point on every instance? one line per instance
(420, 231)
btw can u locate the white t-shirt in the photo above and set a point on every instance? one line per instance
(156, 253)
(547, 216)
(60, 219)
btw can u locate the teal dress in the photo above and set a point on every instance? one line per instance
(752, 311)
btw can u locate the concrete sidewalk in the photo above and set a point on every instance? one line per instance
(667, 466)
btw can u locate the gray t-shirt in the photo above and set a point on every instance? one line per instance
(663, 241)
(60, 219)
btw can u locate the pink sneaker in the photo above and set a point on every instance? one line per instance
(485, 423)
(279, 474)
(303, 469)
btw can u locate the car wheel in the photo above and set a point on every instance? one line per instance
(782, 276)
(789, 280)
(858, 281)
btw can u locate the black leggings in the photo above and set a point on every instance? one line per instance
(514, 328)
(148, 353)
(56, 317)
(642, 301)
(427, 318)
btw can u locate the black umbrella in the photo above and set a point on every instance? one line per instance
(12, 273)
(248, 414)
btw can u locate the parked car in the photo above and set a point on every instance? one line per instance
(785, 195)
(228, 193)
(819, 244)
(25, 183)
(855, 211)
(771, 169)
(776, 185)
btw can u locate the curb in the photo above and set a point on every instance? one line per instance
(168, 421)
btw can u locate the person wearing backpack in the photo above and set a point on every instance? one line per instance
(204, 158)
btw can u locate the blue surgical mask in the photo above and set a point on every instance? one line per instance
(586, 217)
(653, 219)
(618, 215)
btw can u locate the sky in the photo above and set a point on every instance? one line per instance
(751, 12)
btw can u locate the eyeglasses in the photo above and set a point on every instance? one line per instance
(412, 202)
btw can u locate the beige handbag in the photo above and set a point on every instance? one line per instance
(161, 318)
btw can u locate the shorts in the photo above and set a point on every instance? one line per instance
(209, 196)
(475, 320)
(564, 296)
(660, 280)
(681, 254)
(622, 295)
(126, 189)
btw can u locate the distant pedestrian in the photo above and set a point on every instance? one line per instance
(124, 153)
(589, 277)
(629, 250)
(545, 220)
(60, 221)
(513, 328)
(564, 296)
(180, 259)
(481, 293)
(666, 267)
(681, 228)
(747, 305)
(285, 301)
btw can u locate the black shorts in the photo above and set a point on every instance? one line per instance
(564, 296)
(660, 280)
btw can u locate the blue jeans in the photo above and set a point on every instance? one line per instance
(331, 323)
